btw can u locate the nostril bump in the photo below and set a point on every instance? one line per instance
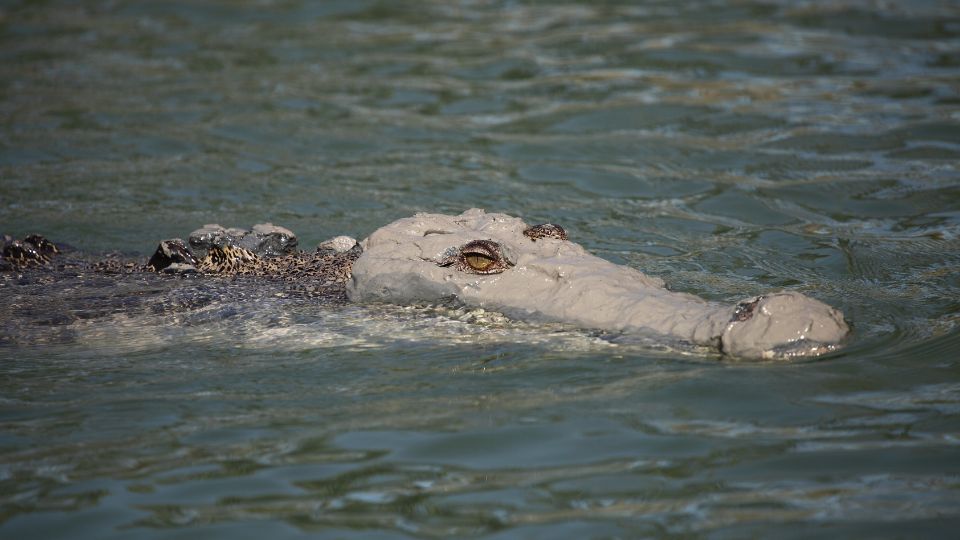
(745, 310)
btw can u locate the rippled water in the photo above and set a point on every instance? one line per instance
(730, 147)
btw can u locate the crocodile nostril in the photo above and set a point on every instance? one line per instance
(744, 310)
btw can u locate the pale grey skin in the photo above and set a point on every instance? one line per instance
(550, 279)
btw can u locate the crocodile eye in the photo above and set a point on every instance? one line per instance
(478, 261)
(477, 257)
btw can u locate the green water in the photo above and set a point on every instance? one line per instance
(730, 147)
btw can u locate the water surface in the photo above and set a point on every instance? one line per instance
(730, 147)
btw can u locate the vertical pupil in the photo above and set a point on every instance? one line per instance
(478, 261)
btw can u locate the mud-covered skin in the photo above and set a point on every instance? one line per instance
(498, 262)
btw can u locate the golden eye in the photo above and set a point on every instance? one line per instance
(478, 261)
(477, 257)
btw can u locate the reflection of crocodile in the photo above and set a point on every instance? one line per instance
(495, 262)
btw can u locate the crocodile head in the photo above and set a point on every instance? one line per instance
(498, 262)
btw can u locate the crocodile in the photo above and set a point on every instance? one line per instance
(483, 260)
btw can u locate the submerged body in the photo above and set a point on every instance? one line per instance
(491, 261)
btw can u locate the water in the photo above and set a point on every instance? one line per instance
(730, 147)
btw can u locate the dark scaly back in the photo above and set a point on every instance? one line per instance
(323, 273)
